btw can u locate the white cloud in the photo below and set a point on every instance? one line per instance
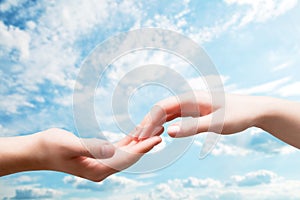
(112, 183)
(282, 66)
(53, 53)
(129, 64)
(269, 184)
(176, 22)
(288, 90)
(257, 11)
(232, 150)
(284, 87)
(12, 102)
(25, 179)
(12, 38)
(183, 188)
(262, 10)
(254, 178)
(35, 193)
(208, 82)
(65, 20)
(270, 147)
(166, 191)
(253, 141)
(193, 182)
(147, 176)
(225, 146)
(287, 149)
(4, 131)
(207, 34)
(112, 136)
(9, 4)
(48, 51)
(265, 88)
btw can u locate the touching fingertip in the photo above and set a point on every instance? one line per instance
(157, 139)
(173, 130)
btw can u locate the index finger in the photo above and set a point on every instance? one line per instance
(167, 110)
(159, 112)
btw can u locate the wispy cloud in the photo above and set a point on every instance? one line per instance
(25, 179)
(46, 50)
(282, 66)
(283, 87)
(265, 88)
(262, 10)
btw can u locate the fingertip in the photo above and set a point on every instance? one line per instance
(153, 141)
(173, 130)
(136, 138)
(159, 140)
(147, 144)
(135, 133)
(160, 130)
(141, 138)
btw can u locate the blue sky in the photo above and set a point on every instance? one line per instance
(255, 46)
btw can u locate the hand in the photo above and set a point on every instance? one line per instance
(239, 113)
(59, 150)
(277, 116)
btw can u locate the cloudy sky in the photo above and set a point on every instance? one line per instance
(255, 46)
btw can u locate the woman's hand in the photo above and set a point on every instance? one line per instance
(200, 115)
(238, 112)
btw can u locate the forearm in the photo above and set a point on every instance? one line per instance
(280, 118)
(19, 154)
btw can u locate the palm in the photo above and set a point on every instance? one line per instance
(128, 151)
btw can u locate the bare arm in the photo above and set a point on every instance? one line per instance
(18, 154)
(280, 118)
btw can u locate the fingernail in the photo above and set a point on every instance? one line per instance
(156, 130)
(142, 134)
(173, 130)
(107, 151)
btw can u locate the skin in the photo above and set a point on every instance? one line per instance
(276, 116)
(59, 150)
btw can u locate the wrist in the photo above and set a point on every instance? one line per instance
(267, 110)
(19, 154)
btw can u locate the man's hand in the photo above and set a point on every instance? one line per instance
(59, 150)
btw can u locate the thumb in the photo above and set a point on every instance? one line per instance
(190, 126)
(97, 148)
